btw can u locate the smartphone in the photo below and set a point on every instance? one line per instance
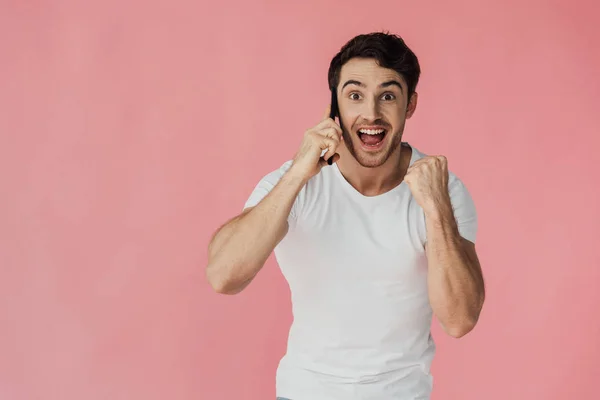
(334, 105)
(332, 114)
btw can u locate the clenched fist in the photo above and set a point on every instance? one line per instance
(427, 179)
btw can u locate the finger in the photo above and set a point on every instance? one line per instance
(413, 167)
(329, 144)
(330, 132)
(336, 126)
(327, 112)
(328, 123)
(445, 166)
(331, 128)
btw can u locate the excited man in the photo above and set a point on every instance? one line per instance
(372, 245)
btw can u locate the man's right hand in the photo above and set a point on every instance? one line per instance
(325, 136)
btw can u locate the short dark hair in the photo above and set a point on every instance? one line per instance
(389, 50)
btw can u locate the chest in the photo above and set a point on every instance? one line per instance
(361, 242)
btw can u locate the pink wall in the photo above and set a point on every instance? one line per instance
(129, 132)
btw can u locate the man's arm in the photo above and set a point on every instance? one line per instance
(455, 279)
(239, 249)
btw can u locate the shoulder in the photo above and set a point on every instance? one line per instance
(326, 174)
(275, 175)
(266, 184)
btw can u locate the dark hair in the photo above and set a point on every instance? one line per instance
(387, 49)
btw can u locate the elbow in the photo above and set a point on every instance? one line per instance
(217, 282)
(220, 284)
(457, 331)
(463, 322)
(460, 328)
(223, 284)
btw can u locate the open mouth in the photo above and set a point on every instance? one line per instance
(371, 137)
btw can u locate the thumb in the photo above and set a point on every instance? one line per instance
(329, 161)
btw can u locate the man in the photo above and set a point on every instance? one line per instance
(372, 246)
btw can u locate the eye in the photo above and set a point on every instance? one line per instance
(354, 96)
(388, 97)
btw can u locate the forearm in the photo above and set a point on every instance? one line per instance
(456, 289)
(240, 248)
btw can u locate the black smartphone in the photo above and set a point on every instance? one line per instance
(332, 114)
(334, 106)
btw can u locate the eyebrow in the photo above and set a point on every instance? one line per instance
(383, 85)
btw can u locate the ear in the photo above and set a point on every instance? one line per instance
(412, 105)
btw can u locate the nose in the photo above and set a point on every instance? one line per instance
(371, 111)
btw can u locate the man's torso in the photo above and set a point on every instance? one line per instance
(357, 272)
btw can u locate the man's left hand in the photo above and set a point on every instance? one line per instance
(427, 179)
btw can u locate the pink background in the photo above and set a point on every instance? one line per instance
(131, 130)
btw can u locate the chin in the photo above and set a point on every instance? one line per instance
(371, 160)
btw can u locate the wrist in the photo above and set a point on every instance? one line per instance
(296, 176)
(440, 211)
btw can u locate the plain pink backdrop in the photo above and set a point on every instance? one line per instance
(131, 130)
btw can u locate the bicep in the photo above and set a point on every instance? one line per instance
(265, 185)
(464, 211)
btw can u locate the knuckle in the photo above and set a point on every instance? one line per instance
(332, 124)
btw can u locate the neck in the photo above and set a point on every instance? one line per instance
(378, 180)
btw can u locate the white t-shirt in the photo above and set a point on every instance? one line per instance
(357, 272)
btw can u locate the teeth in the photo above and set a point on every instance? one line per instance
(371, 131)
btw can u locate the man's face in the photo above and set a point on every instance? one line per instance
(373, 107)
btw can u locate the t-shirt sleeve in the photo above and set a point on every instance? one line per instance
(464, 210)
(266, 184)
